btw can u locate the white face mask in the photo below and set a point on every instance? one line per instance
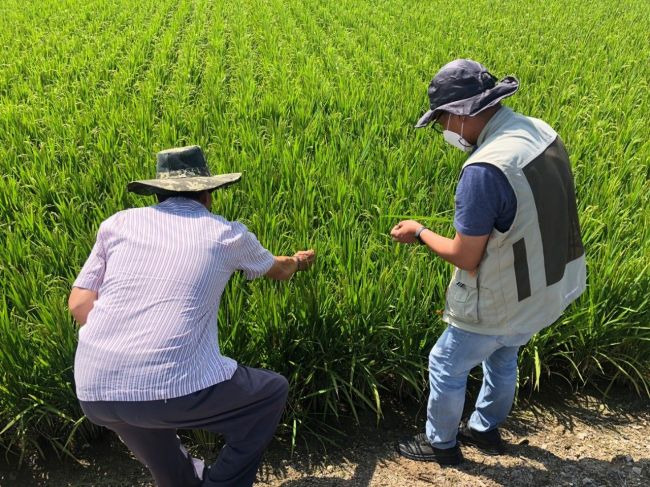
(452, 138)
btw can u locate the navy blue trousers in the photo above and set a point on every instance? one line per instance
(245, 409)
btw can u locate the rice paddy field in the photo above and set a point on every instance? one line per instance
(314, 101)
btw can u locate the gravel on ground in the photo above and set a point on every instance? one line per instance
(580, 442)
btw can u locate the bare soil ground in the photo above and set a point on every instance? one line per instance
(576, 442)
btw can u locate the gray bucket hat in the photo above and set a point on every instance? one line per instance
(465, 87)
(182, 169)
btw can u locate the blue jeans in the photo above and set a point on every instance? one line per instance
(456, 353)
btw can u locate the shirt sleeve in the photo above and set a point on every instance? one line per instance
(92, 273)
(484, 200)
(250, 255)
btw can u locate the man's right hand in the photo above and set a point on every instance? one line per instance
(305, 259)
(285, 267)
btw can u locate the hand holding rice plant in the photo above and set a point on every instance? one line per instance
(305, 259)
(405, 231)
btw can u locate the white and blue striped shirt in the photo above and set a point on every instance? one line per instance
(159, 272)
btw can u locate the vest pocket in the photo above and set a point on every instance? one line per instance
(462, 297)
(490, 311)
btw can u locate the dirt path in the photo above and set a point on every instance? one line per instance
(581, 443)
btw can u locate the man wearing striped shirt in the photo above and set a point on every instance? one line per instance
(148, 359)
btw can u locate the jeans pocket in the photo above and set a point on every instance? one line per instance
(462, 297)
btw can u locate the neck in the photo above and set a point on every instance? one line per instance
(476, 124)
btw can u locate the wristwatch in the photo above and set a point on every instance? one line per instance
(418, 232)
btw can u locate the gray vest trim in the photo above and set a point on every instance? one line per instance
(551, 182)
(522, 276)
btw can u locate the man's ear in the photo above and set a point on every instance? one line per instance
(206, 198)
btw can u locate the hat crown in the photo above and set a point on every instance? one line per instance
(458, 80)
(186, 161)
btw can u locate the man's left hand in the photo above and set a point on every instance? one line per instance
(404, 231)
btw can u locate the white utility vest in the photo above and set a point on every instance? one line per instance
(530, 273)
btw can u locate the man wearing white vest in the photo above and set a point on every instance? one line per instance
(518, 255)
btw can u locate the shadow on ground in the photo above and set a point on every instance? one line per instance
(525, 464)
(361, 477)
(363, 454)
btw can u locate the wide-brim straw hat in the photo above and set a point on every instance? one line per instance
(182, 169)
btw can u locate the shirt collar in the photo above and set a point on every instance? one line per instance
(494, 124)
(179, 203)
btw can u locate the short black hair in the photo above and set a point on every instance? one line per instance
(192, 195)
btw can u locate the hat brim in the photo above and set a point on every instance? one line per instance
(175, 185)
(473, 105)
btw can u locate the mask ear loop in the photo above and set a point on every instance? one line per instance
(462, 140)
